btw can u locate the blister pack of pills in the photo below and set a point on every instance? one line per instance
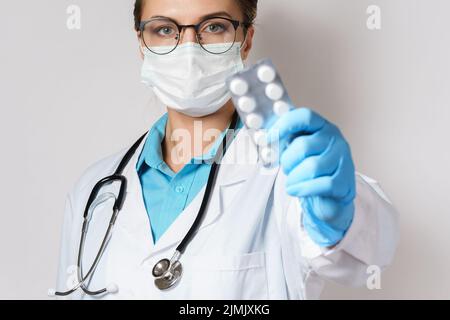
(260, 98)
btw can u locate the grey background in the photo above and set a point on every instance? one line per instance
(69, 98)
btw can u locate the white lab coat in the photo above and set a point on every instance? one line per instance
(251, 244)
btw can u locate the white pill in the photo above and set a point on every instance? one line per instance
(260, 138)
(280, 108)
(274, 92)
(247, 104)
(239, 87)
(254, 121)
(266, 74)
(268, 155)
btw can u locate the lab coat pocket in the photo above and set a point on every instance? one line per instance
(223, 277)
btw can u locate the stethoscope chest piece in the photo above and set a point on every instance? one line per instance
(167, 272)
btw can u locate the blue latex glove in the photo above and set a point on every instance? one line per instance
(320, 172)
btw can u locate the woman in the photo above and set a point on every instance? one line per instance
(265, 233)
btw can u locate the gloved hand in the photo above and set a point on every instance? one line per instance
(320, 172)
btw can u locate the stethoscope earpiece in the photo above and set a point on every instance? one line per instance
(112, 288)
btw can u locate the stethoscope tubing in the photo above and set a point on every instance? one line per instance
(209, 186)
(117, 176)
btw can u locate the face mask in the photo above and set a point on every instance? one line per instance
(190, 79)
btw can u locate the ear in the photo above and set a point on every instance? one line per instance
(248, 45)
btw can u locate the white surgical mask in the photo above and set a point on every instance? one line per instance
(190, 79)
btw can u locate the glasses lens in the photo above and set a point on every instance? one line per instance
(160, 36)
(217, 35)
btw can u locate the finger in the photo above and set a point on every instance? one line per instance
(320, 187)
(347, 177)
(303, 147)
(310, 168)
(297, 121)
(337, 186)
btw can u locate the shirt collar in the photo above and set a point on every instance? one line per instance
(152, 151)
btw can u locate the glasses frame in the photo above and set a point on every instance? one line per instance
(236, 24)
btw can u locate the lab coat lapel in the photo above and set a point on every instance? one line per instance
(238, 164)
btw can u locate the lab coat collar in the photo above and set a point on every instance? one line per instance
(239, 163)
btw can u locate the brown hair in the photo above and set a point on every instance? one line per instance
(248, 7)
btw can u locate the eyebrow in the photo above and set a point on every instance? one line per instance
(210, 15)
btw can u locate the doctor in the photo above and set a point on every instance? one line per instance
(265, 233)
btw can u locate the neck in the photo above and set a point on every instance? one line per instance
(188, 137)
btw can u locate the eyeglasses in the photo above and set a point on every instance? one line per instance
(162, 35)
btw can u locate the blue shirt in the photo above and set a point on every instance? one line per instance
(166, 193)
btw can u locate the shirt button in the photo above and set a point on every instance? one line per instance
(179, 189)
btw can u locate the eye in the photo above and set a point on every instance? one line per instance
(165, 31)
(215, 28)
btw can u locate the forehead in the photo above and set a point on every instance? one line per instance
(190, 11)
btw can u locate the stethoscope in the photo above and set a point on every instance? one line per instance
(167, 273)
